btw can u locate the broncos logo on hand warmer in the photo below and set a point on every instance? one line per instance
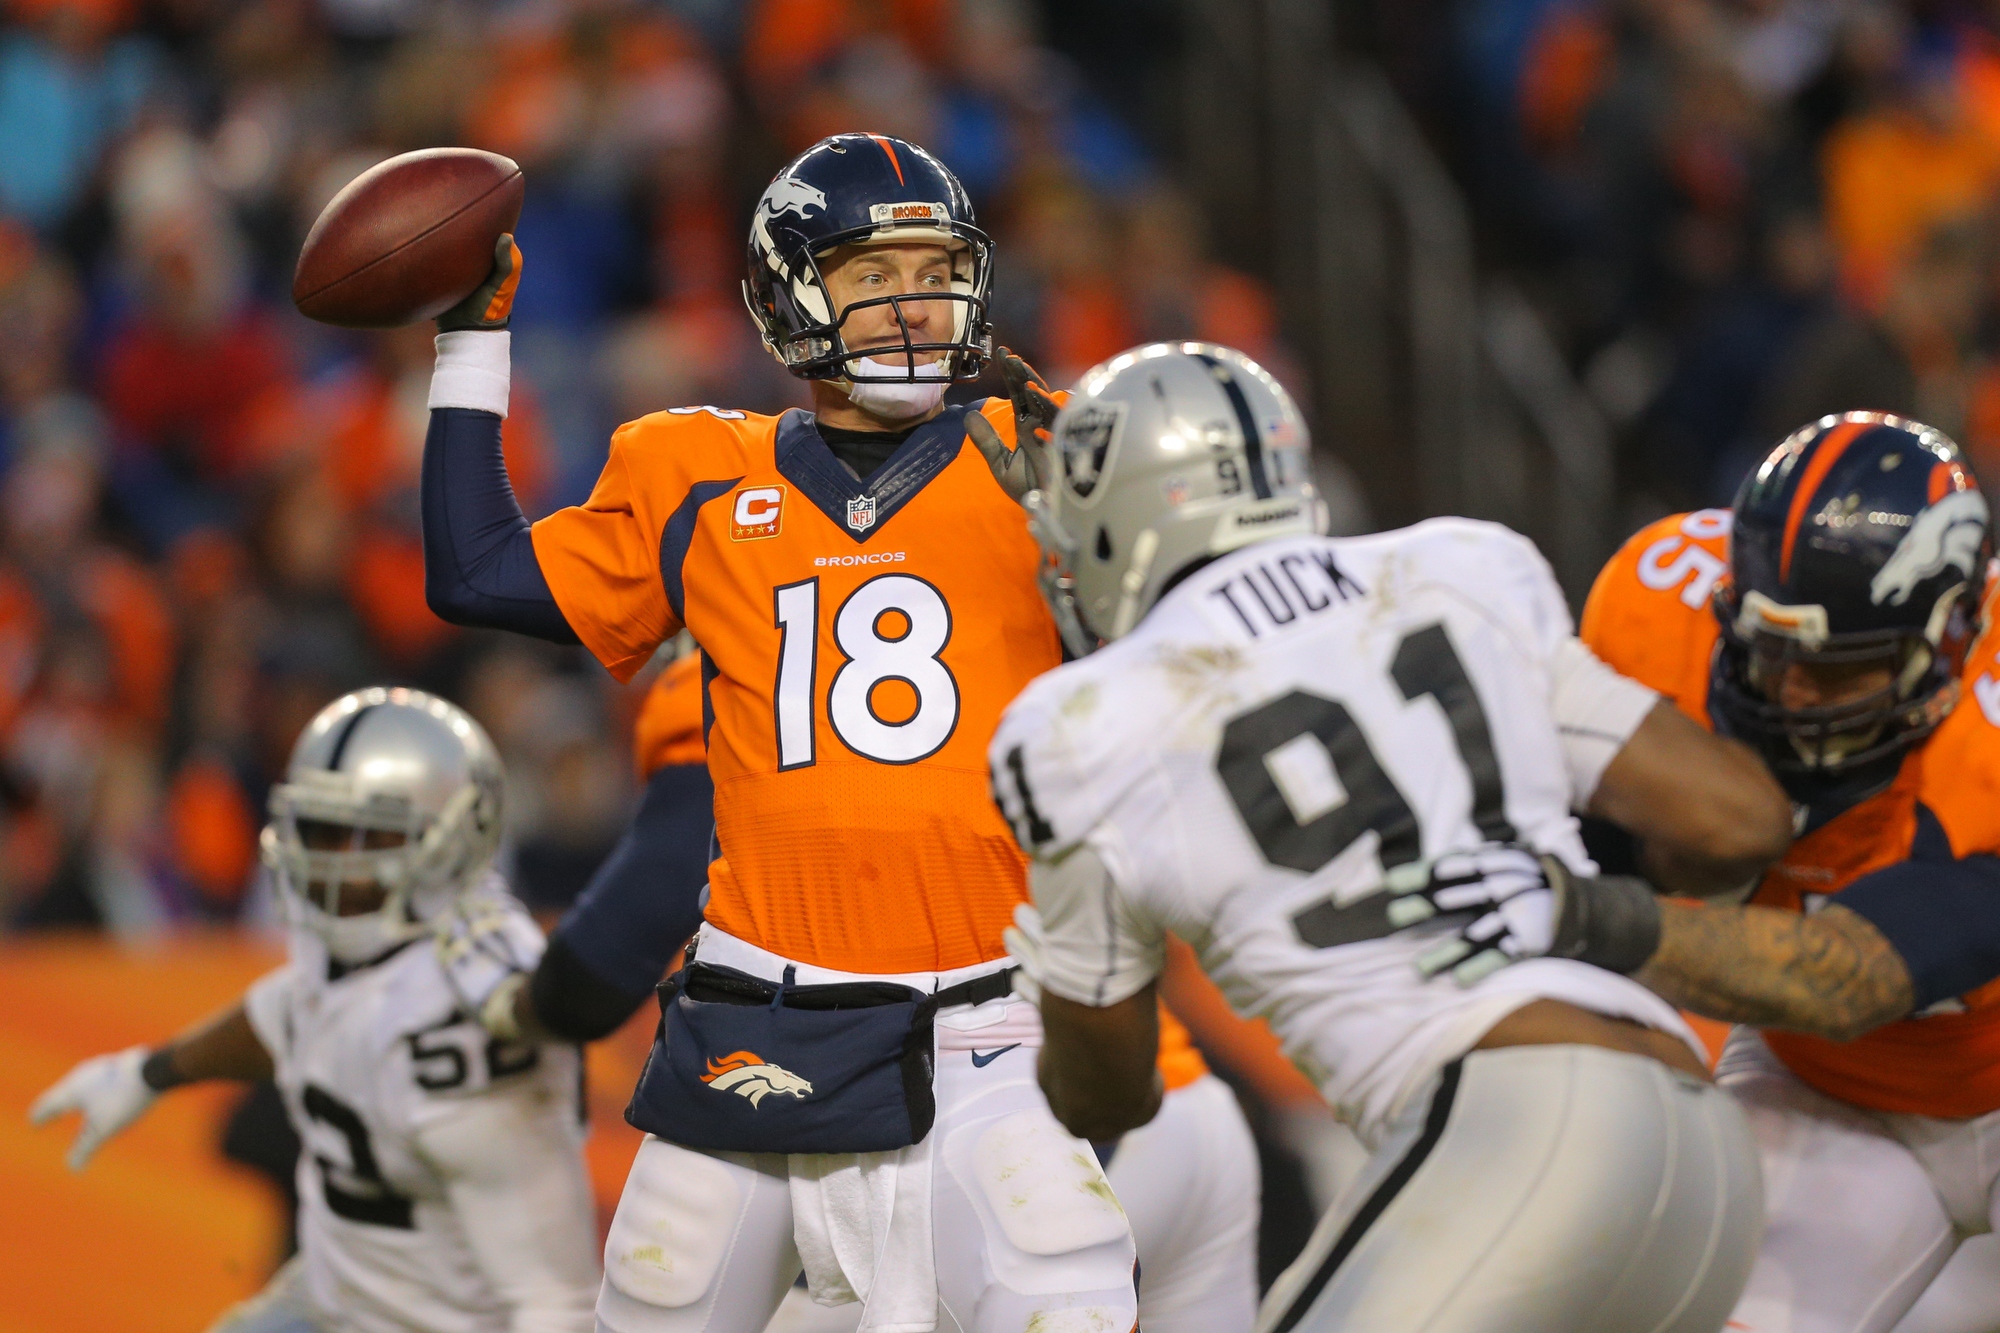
(748, 1074)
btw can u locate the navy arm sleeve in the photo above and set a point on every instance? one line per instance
(1941, 916)
(479, 557)
(643, 904)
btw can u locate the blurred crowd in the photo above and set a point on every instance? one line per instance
(1742, 213)
(208, 514)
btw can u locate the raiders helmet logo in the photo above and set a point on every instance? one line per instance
(748, 1074)
(1087, 436)
(1947, 533)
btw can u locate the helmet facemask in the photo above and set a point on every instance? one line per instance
(814, 346)
(1762, 642)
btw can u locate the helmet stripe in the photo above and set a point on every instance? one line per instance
(346, 735)
(1253, 442)
(890, 148)
(1946, 478)
(1831, 446)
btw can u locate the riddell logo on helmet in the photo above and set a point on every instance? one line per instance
(748, 1074)
(759, 513)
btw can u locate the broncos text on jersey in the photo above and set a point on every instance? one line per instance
(858, 642)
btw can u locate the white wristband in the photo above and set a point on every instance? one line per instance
(474, 370)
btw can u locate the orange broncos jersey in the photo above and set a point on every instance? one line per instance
(668, 728)
(669, 732)
(1648, 616)
(858, 642)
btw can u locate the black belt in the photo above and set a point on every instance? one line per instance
(978, 990)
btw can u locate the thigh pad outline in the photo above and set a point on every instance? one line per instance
(674, 1224)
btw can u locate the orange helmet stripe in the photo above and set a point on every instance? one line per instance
(1831, 446)
(1946, 478)
(890, 149)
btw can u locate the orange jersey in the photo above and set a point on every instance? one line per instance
(668, 728)
(861, 642)
(1648, 617)
(668, 731)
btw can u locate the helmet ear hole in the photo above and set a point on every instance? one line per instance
(1103, 542)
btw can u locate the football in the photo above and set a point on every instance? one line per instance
(407, 239)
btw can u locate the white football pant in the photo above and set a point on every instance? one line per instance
(1865, 1207)
(1025, 1232)
(1189, 1183)
(1539, 1189)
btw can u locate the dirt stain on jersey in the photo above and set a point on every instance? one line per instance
(1082, 701)
(1198, 669)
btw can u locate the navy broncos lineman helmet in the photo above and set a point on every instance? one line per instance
(1861, 541)
(858, 188)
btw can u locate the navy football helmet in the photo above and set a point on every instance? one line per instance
(1860, 543)
(855, 189)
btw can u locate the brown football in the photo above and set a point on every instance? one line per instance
(407, 239)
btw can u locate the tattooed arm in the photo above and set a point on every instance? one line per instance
(1832, 974)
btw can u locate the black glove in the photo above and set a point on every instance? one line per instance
(1021, 469)
(492, 304)
(1526, 906)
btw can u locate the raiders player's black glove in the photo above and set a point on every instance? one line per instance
(1525, 906)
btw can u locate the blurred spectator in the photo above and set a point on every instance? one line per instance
(208, 518)
(1894, 172)
(69, 82)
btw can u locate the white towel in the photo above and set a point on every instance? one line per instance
(862, 1222)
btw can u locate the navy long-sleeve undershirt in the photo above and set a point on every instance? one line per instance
(640, 907)
(479, 556)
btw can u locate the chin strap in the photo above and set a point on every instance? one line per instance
(1144, 548)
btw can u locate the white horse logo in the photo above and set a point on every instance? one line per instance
(1947, 533)
(785, 195)
(748, 1074)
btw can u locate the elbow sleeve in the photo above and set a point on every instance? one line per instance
(479, 553)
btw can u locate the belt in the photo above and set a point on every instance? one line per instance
(979, 990)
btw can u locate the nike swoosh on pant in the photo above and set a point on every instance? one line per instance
(981, 1061)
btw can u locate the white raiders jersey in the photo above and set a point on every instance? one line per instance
(370, 1064)
(1287, 723)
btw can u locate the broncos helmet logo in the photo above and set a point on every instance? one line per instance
(1947, 533)
(748, 1074)
(785, 195)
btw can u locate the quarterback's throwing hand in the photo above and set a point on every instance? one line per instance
(492, 305)
(108, 1090)
(1018, 470)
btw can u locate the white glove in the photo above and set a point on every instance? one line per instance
(109, 1092)
(1506, 890)
(1026, 940)
(487, 951)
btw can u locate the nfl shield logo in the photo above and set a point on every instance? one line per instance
(861, 513)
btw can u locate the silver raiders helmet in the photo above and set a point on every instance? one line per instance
(386, 787)
(1164, 455)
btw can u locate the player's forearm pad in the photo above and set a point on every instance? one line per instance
(1611, 921)
(158, 1073)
